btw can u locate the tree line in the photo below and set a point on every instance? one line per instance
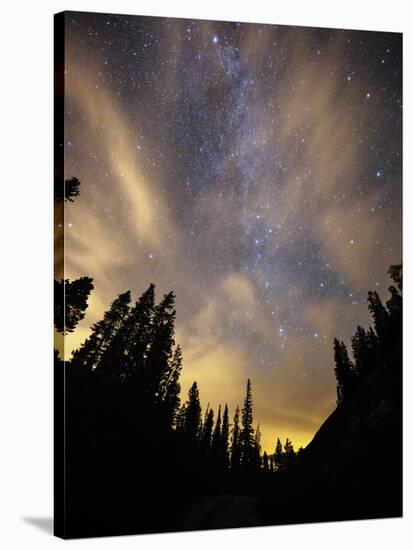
(377, 346)
(135, 345)
(131, 357)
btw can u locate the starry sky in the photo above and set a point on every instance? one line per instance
(255, 170)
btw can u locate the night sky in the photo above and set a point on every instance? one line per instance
(255, 170)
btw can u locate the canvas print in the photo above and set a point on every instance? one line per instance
(228, 274)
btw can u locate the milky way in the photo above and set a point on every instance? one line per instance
(253, 169)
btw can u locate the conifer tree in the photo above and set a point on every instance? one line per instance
(216, 436)
(289, 453)
(396, 273)
(236, 442)
(364, 345)
(278, 456)
(180, 419)
(360, 347)
(206, 435)
(70, 302)
(257, 448)
(265, 462)
(127, 352)
(192, 418)
(380, 315)
(170, 388)
(160, 348)
(103, 332)
(247, 431)
(225, 438)
(344, 372)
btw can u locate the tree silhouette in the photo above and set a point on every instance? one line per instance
(380, 315)
(126, 355)
(257, 448)
(396, 273)
(103, 333)
(247, 431)
(344, 372)
(236, 442)
(225, 438)
(160, 348)
(289, 453)
(70, 302)
(279, 456)
(207, 430)
(265, 462)
(373, 347)
(216, 436)
(192, 420)
(170, 388)
(67, 190)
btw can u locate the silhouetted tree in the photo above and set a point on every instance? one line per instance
(278, 456)
(70, 302)
(127, 353)
(170, 388)
(216, 437)
(380, 315)
(67, 190)
(160, 348)
(344, 372)
(225, 438)
(265, 462)
(192, 420)
(396, 273)
(257, 448)
(180, 419)
(247, 431)
(289, 453)
(207, 429)
(236, 442)
(103, 332)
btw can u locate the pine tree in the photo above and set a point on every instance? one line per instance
(247, 431)
(380, 315)
(344, 372)
(170, 388)
(91, 351)
(365, 350)
(257, 448)
(396, 274)
(160, 348)
(225, 438)
(192, 419)
(289, 453)
(265, 462)
(127, 352)
(236, 443)
(207, 430)
(359, 345)
(216, 436)
(70, 302)
(180, 420)
(278, 456)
